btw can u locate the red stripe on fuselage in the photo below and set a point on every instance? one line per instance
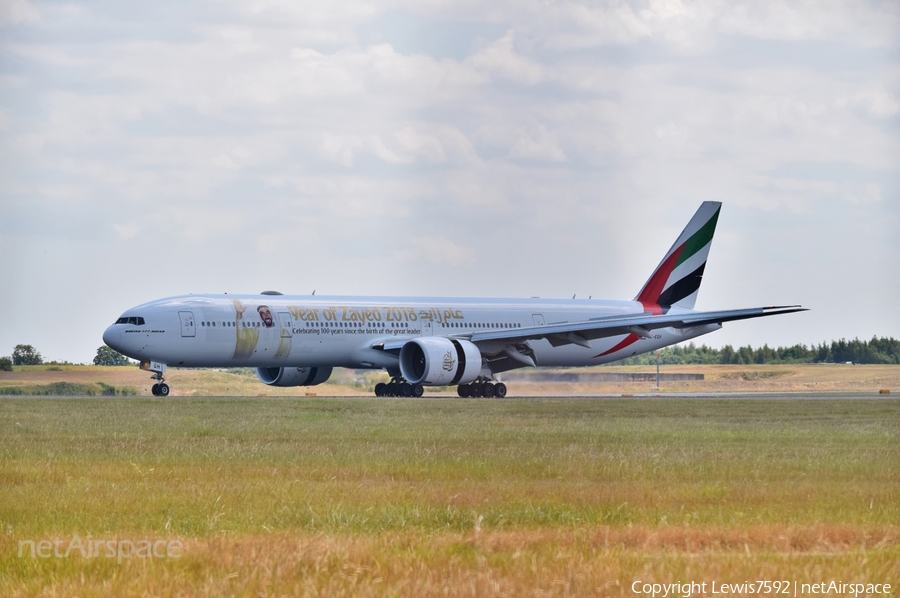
(652, 308)
(631, 338)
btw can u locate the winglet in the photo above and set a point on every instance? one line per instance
(677, 279)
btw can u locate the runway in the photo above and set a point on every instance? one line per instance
(736, 396)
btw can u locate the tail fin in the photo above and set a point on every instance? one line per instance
(676, 281)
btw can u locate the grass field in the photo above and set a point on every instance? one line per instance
(724, 378)
(366, 497)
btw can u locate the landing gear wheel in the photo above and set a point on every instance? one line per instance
(463, 391)
(159, 388)
(488, 390)
(398, 387)
(500, 390)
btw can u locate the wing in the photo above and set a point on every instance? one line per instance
(579, 333)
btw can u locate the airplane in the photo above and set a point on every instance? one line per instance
(296, 340)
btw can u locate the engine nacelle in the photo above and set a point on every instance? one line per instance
(439, 361)
(293, 376)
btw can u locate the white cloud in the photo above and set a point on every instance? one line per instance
(18, 12)
(880, 103)
(435, 251)
(571, 133)
(865, 194)
(341, 148)
(127, 230)
(500, 58)
(538, 144)
(812, 20)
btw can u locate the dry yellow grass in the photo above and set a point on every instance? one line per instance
(602, 561)
(380, 497)
(817, 378)
(184, 382)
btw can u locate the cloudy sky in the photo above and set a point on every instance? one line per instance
(446, 148)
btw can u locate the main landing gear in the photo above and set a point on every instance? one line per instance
(398, 387)
(482, 387)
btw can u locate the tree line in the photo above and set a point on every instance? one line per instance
(28, 355)
(875, 351)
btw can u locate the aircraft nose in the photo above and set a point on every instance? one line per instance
(112, 337)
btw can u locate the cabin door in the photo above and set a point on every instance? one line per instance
(187, 323)
(284, 318)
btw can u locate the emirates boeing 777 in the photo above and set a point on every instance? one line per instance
(464, 342)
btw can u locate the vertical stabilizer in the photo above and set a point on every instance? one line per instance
(676, 281)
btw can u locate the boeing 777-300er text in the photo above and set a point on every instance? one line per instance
(298, 340)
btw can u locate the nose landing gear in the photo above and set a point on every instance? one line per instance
(160, 388)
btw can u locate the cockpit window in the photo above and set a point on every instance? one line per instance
(136, 320)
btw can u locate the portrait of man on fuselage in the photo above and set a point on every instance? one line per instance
(260, 336)
(265, 314)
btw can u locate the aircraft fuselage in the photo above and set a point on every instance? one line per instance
(310, 331)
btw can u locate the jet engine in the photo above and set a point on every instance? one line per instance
(439, 361)
(293, 376)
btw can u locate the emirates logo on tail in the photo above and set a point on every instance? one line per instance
(677, 279)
